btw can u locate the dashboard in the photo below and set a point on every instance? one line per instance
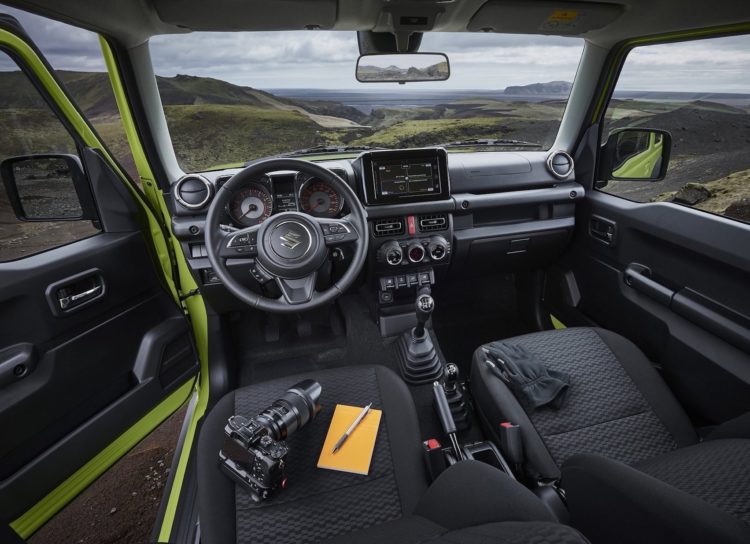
(433, 216)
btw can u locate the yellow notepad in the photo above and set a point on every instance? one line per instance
(356, 453)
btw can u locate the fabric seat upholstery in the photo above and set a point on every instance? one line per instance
(393, 499)
(618, 406)
(632, 465)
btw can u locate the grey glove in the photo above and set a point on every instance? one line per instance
(531, 382)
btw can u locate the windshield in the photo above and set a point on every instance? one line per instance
(233, 97)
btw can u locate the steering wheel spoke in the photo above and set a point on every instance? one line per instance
(239, 244)
(297, 290)
(338, 231)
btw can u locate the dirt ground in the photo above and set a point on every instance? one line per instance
(121, 506)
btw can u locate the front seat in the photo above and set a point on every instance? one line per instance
(471, 502)
(625, 452)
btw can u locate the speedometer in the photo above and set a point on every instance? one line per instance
(250, 206)
(320, 199)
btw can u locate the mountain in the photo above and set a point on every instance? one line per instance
(92, 92)
(552, 88)
(390, 73)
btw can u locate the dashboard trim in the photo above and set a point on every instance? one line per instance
(467, 202)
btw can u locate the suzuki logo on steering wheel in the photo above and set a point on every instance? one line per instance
(290, 240)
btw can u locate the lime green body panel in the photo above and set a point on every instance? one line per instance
(193, 305)
(556, 322)
(641, 165)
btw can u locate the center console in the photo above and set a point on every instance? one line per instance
(406, 193)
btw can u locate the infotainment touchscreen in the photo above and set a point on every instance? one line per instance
(405, 176)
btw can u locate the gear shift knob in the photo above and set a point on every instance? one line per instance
(450, 374)
(424, 307)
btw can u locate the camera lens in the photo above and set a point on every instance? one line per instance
(297, 406)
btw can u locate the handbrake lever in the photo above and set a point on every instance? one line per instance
(446, 418)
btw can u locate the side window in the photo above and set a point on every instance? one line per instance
(699, 92)
(44, 186)
(76, 56)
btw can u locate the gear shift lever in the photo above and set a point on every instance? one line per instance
(424, 307)
(418, 357)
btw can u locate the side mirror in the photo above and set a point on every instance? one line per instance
(49, 187)
(635, 154)
(402, 68)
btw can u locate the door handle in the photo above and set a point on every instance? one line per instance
(77, 298)
(638, 277)
(602, 229)
(75, 292)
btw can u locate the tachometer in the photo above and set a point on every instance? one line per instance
(320, 199)
(250, 206)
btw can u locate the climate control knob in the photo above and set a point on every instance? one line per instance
(438, 248)
(391, 253)
(415, 252)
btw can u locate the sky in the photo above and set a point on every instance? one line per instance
(320, 59)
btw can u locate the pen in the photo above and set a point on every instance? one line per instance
(351, 428)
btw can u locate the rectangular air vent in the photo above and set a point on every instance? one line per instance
(432, 222)
(392, 226)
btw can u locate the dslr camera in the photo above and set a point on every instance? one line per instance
(254, 452)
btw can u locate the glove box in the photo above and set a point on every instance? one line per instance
(511, 247)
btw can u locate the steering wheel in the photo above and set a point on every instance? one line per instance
(289, 247)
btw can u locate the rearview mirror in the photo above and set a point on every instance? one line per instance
(402, 68)
(636, 154)
(47, 188)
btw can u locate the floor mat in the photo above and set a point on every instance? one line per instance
(362, 345)
(464, 319)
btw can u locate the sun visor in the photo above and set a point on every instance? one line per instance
(229, 15)
(543, 17)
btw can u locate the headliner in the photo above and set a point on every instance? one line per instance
(132, 22)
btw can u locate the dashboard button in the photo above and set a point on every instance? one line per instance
(424, 278)
(412, 279)
(388, 283)
(401, 281)
(386, 297)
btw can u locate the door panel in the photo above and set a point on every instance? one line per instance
(95, 350)
(675, 281)
(95, 370)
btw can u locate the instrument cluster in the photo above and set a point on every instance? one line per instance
(280, 192)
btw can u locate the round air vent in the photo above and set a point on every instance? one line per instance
(560, 164)
(193, 191)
